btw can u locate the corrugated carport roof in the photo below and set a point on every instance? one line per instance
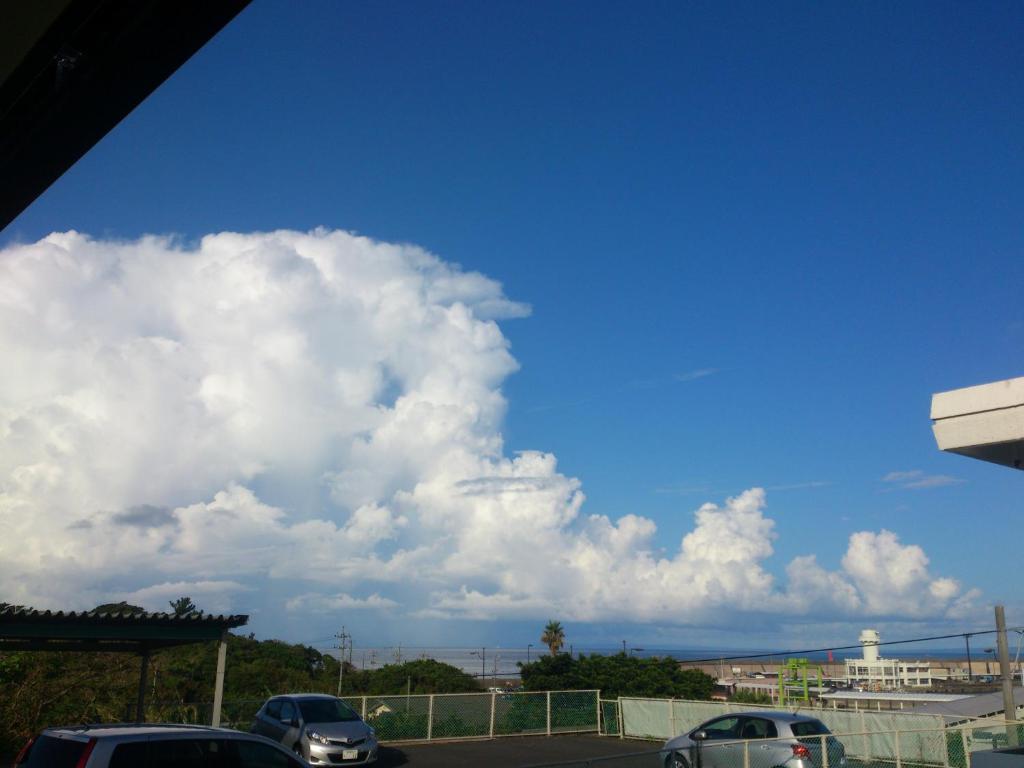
(28, 629)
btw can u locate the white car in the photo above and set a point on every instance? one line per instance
(323, 729)
(768, 739)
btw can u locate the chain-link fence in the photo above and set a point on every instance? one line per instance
(963, 746)
(665, 718)
(610, 721)
(444, 716)
(439, 716)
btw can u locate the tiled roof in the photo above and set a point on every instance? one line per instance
(23, 614)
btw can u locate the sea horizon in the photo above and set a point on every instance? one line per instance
(498, 662)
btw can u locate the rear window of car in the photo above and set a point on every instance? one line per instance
(809, 728)
(51, 752)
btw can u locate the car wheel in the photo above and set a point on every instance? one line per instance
(297, 748)
(676, 760)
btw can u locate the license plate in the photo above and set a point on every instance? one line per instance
(349, 754)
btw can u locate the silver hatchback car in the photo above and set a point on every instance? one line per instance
(323, 729)
(770, 739)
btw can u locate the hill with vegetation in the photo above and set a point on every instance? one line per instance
(54, 688)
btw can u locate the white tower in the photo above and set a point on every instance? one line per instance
(869, 639)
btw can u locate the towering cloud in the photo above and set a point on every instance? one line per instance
(325, 409)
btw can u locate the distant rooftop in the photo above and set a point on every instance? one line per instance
(894, 696)
(981, 705)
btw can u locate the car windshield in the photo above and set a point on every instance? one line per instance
(326, 711)
(809, 728)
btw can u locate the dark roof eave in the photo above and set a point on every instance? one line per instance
(22, 625)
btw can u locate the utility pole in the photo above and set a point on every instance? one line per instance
(967, 641)
(343, 637)
(1009, 706)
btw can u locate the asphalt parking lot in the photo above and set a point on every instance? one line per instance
(516, 752)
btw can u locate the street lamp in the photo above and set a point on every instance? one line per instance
(528, 647)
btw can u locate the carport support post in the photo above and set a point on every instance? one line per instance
(218, 687)
(140, 702)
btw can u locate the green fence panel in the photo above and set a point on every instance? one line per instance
(521, 713)
(573, 711)
(398, 718)
(461, 716)
(610, 725)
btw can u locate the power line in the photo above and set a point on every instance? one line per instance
(841, 647)
(737, 657)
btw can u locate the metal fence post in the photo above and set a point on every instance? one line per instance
(824, 751)
(967, 749)
(494, 701)
(867, 743)
(549, 713)
(899, 761)
(746, 753)
(430, 717)
(671, 719)
(364, 708)
(622, 723)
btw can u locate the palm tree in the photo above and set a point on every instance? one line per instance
(554, 636)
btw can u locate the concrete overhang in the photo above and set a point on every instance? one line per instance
(70, 70)
(984, 422)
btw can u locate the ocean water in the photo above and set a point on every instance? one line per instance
(502, 663)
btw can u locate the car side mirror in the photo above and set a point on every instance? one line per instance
(699, 735)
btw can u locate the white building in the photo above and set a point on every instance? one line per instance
(875, 674)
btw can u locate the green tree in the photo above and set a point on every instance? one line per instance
(744, 696)
(183, 606)
(617, 675)
(419, 676)
(554, 636)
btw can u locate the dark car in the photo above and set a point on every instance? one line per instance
(152, 746)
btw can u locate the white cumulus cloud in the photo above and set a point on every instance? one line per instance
(325, 410)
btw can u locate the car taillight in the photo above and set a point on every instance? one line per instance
(799, 750)
(24, 752)
(84, 757)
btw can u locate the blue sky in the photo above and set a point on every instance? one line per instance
(753, 241)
